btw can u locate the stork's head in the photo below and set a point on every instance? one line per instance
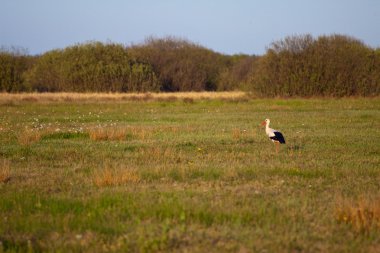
(265, 122)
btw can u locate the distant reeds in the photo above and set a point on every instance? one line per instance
(187, 97)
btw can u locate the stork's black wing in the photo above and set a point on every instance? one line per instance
(278, 137)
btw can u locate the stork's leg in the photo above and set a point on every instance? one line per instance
(277, 146)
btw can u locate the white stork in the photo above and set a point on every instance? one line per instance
(276, 136)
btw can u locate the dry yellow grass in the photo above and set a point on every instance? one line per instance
(239, 134)
(236, 134)
(108, 177)
(28, 137)
(162, 154)
(108, 134)
(7, 98)
(120, 133)
(363, 215)
(140, 133)
(5, 171)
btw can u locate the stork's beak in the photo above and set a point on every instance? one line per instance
(263, 123)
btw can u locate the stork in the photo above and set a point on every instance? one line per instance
(276, 136)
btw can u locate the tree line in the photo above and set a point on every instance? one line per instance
(299, 65)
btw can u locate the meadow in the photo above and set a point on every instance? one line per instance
(188, 173)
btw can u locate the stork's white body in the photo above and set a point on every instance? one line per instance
(270, 131)
(275, 136)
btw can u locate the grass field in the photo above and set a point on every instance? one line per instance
(188, 174)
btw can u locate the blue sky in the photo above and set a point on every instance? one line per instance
(226, 26)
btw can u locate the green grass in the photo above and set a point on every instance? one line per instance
(206, 177)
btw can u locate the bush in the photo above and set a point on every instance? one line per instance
(333, 65)
(94, 67)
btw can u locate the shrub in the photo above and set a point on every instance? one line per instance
(89, 67)
(333, 65)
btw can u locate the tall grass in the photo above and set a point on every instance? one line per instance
(108, 134)
(28, 137)
(5, 171)
(363, 215)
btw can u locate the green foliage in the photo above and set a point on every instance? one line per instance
(13, 63)
(236, 74)
(91, 67)
(333, 65)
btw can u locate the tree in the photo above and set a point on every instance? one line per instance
(180, 65)
(13, 63)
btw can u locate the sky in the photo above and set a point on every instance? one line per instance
(225, 26)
